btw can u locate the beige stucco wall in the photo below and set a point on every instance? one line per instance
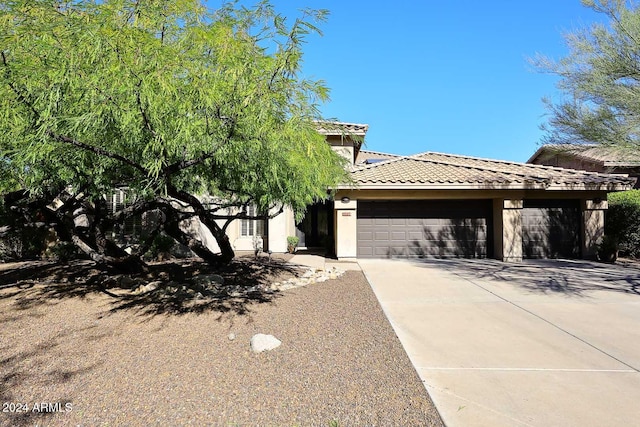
(346, 230)
(279, 229)
(511, 230)
(593, 212)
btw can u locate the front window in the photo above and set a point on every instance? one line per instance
(251, 227)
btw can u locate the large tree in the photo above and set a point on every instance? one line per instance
(600, 78)
(197, 112)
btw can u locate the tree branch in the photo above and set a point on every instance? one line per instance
(96, 150)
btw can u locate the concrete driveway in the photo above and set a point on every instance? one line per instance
(542, 343)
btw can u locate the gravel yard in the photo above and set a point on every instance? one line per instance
(105, 361)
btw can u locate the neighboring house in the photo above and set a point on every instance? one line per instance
(589, 157)
(443, 205)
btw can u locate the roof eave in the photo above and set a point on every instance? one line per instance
(490, 186)
(443, 186)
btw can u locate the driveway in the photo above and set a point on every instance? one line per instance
(541, 343)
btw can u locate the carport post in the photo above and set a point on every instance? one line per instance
(592, 226)
(507, 234)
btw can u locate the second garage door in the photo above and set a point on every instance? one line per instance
(424, 228)
(551, 229)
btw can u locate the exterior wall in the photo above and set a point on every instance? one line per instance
(592, 226)
(511, 231)
(346, 230)
(279, 228)
(343, 146)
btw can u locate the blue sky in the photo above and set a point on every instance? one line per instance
(447, 76)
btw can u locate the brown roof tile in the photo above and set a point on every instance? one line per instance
(438, 168)
(606, 155)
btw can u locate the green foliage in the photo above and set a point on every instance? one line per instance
(161, 246)
(601, 80)
(65, 251)
(625, 197)
(623, 221)
(150, 94)
(293, 241)
(18, 243)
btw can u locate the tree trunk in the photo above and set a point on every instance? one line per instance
(129, 263)
(226, 251)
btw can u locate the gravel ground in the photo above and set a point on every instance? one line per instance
(106, 363)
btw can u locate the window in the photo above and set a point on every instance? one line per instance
(251, 227)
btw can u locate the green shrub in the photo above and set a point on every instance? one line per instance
(623, 221)
(292, 243)
(65, 251)
(161, 247)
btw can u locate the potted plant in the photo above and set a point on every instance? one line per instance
(608, 249)
(292, 243)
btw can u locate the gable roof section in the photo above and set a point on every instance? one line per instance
(431, 170)
(341, 128)
(604, 155)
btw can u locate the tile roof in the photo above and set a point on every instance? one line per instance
(439, 169)
(607, 155)
(364, 155)
(341, 128)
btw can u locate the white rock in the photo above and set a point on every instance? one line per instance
(151, 286)
(262, 342)
(232, 336)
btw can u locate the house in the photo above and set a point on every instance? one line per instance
(589, 157)
(444, 205)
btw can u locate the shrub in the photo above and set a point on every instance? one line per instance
(623, 221)
(17, 241)
(292, 243)
(161, 247)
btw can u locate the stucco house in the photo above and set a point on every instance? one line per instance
(589, 157)
(443, 205)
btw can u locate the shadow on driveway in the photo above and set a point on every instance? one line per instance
(570, 277)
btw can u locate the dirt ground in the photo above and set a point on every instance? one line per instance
(79, 346)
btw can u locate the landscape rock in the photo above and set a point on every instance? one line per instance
(209, 280)
(262, 342)
(231, 336)
(151, 286)
(309, 277)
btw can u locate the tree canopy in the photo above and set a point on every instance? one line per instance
(168, 98)
(600, 78)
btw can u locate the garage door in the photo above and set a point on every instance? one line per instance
(424, 228)
(551, 229)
